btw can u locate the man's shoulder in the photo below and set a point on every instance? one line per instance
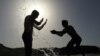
(71, 27)
(28, 16)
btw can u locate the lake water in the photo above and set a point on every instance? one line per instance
(85, 55)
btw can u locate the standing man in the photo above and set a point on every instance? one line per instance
(29, 23)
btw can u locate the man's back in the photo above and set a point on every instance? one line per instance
(71, 31)
(28, 24)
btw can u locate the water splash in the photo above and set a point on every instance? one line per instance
(45, 53)
(49, 52)
(52, 51)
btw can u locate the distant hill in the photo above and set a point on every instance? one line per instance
(84, 50)
(5, 51)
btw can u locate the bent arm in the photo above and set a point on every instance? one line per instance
(39, 28)
(59, 33)
(38, 23)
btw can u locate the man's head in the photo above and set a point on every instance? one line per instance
(34, 14)
(65, 23)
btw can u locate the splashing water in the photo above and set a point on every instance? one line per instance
(45, 53)
(54, 54)
(49, 52)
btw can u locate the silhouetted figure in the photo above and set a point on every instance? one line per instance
(29, 23)
(75, 41)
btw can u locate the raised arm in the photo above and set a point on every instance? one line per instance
(39, 28)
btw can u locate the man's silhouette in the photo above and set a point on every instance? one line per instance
(76, 40)
(29, 23)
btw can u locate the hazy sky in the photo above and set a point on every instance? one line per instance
(83, 15)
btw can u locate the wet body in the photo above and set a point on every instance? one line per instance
(75, 38)
(29, 23)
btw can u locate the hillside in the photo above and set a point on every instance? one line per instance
(5, 51)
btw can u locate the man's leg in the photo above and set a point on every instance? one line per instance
(28, 49)
(78, 42)
(70, 45)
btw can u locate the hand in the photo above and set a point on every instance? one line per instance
(45, 21)
(53, 31)
(42, 20)
(59, 34)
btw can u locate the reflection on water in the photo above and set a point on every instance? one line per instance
(81, 55)
(87, 55)
(50, 52)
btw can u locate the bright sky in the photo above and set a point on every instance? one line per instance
(84, 15)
